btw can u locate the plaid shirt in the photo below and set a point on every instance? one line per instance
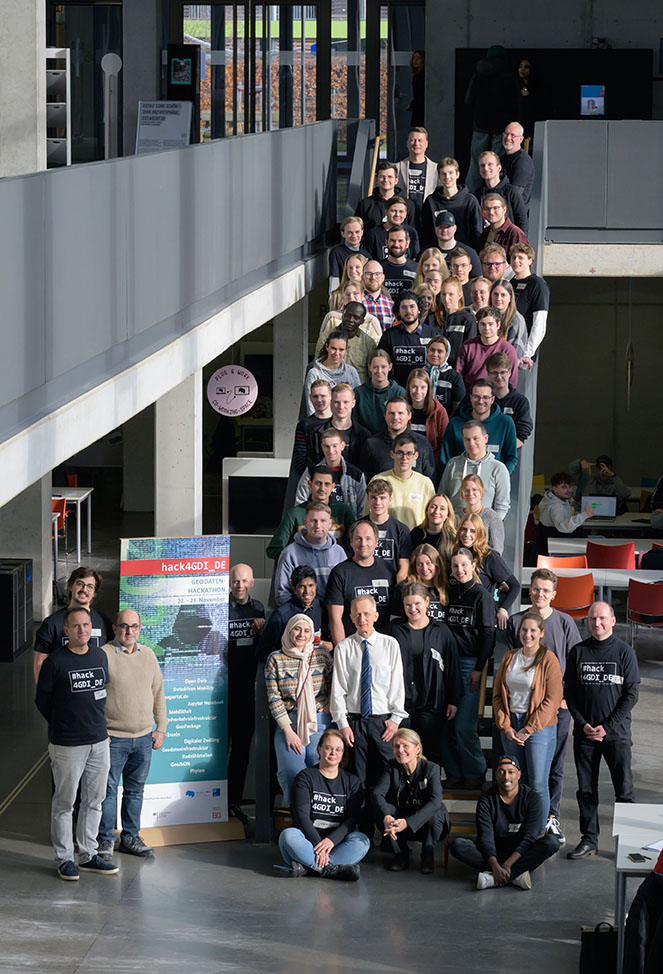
(382, 307)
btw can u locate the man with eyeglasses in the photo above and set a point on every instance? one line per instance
(135, 703)
(83, 585)
(494, 265)
(561, 636)
(495, 181)
(377, 451)
(511, 402)
(501, 429)
(516, 163)
(377, 298)
(411, 491)
(500, 229)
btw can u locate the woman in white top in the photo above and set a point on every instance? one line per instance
(331, 366)
(471, 492)
(527, 693)
(513, 329)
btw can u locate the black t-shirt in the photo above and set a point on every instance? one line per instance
(326, 807)
(71, 695)
(418, 421)
(532, 294)
(349, 580)
(407, 349)
(376, 242)
(436, 611)
(417, 184)
(242, 638)
(393, 541)
(398, 277)
(51, 635)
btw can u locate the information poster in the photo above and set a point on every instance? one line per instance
(179, 587)
(162, 125)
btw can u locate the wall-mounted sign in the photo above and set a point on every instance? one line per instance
(162, 125)
(232, 390)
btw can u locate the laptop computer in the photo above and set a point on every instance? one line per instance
(605, 507)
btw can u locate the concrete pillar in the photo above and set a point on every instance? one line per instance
(138, 462)
(290, 358)
(178, 461)
(141, 62)
(25, 532)
(22, 87)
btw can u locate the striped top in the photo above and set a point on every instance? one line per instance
(281, 675)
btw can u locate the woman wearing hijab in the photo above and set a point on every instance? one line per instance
(298, 681)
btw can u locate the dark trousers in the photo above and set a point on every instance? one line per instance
(556, 776)
(370, 754)
(429, 833)
(587, 757)
(430, 727)
(467, 851)
(241, 723)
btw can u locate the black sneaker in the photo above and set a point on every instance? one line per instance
(348, 874)
(133, 845)
(98, 865)
(106, 848)
(67, 870)
(295, 871)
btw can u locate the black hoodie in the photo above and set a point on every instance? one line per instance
(466, 210)
(371, 209)
(493, 95)
(516, 210)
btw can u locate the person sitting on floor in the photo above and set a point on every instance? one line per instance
(509, 845)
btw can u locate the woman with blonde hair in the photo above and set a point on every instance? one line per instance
(353, 271)
(352, 291)
(458, 324)
(426, 293)
(480, 293)
(408, 802)
(502, 297)
(427, 567)
(471, 492)
(494, 573)
(430, 259)
(438, 527)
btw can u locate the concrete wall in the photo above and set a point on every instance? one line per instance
(582, 404)
(22, 87)
(141, 55)
(572, 24)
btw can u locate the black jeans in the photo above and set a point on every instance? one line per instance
(428, 834)
(556, 776)
(467, 851)
(587, 755)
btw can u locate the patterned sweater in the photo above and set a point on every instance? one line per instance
(281, 675)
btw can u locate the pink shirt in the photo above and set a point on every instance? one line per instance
(471, 361)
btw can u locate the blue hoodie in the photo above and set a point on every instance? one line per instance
(321, 558)
(501, 431)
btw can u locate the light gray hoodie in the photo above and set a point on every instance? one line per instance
(494, 476)
(556, 513)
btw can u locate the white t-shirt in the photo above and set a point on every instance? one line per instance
(519, 683)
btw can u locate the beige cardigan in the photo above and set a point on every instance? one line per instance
(545, 698)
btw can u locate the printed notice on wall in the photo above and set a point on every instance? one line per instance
(179, 587)
(163, 125)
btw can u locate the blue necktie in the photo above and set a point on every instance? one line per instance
(366, 698)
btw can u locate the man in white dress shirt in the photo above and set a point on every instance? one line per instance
(368, 694)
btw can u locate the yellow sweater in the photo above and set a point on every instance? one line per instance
(135, 697)
(408, 503)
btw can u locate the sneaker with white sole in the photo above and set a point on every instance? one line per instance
(67, 871)
(524, 881)
(485, 881)
(554, 827)
(106, 848)
(98, 865)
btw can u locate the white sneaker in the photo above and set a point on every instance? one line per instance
(485, 881)
(524, 881)
(554, 828)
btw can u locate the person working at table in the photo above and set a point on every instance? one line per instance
(83, 585)
(556, 510)
(600, 688)
(599, 478)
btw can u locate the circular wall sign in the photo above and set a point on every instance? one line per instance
(232, 390)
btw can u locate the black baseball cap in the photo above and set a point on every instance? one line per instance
(445, 218)
(506, 759)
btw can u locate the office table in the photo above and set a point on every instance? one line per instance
(76, 495)
(634, 522)
(603, 577)
(578, 546)
(634, 827)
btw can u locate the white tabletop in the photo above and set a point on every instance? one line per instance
(637, 815)
(606, 577)
(578, 546)
(623, 522)
(635, 843)
(72, 493)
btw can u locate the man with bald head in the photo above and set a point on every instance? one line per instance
(376, 298)
(600, 688)
(135, 702)
(516, 163)
(246, 620)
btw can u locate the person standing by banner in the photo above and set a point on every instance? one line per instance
(135, 702)
(246, 621)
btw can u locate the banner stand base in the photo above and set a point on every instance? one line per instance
(188, 834)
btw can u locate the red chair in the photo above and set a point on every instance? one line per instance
(561, 561)
(656, 544)
(644, 606)
(72, 480)
(610, 556)
(575, 594)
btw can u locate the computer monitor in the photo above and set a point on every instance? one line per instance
(592, 101)
(601, 505)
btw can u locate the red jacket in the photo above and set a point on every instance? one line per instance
(436, 423)
(507, 235)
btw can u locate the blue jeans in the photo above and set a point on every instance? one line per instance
(294, 845)
(461, 747)
(130, 760)
(535, 758)
(289, 762)
(481, 141)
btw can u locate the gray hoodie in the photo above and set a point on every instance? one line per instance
(321, 558)
(494, 476)
(556, 513)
